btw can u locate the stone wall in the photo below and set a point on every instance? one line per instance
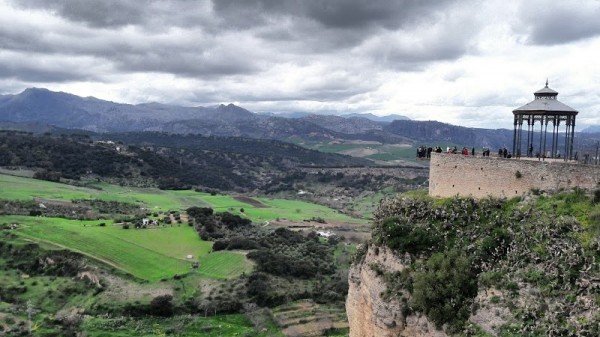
(456, 174)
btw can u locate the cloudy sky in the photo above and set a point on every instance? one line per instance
(465, 62)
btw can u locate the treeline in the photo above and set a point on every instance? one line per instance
(200, 162)
(274, 152)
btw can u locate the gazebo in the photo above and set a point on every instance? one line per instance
(545, 109)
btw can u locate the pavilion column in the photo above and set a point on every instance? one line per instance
(572, 138)
(545, 133)
(515, 135)
(529, 136)
(541, 135)
(519, 151)
(554, 130)
(567, 131)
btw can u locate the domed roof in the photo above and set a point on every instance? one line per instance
(545, 102)
(546, 90)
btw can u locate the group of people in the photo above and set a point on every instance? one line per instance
(465, 151)
(504, 153)
(425, 152)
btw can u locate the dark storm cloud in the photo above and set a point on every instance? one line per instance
(184, 53)
(41, 69)
(347, 14)
(418, 55)
(187, 64)
(106, 13)
(550, 25)
(214, 41)
(152, 14)
(326, 26)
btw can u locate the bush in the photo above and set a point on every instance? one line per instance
(407, 237)
(445, 290)
(125, 226)
(199, 212)
(220, 245)
(161, 306)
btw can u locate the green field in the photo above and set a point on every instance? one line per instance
(149, 254)
(155, 253)
(20, 188)
(293, 210)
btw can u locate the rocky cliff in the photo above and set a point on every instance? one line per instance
(492, 267)
(370, 314)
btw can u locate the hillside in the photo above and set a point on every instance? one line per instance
(431, 132)
(106, 260)
(439, 267)
(162, 160)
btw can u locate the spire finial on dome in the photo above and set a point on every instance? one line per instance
(546, 82)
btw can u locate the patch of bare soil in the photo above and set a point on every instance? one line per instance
(53, 202)
(351, 232)
(251, 201)
(362, 152)
(307, 318)
(119, 289)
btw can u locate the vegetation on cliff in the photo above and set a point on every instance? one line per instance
(535, 258)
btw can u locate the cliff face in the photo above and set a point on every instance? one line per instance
(487, 267)
(372, 316)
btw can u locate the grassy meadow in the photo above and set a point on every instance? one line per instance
(155, 253)
(20, 188)
(149, 254)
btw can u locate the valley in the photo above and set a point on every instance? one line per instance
(84, 242)
(222, 222)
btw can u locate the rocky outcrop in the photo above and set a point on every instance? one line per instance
(471, 267)
(368, 313)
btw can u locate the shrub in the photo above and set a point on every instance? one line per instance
(445, 290)
(407, 237)
(161, 306)
(596, 197)
(35, 213)
(199, 212)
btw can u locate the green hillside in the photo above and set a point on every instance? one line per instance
(20, 188)
(149, 254)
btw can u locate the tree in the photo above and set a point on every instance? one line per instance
(162, 306)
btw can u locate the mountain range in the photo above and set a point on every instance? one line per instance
(42, 109)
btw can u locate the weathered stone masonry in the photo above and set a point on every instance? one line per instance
(454, 174)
